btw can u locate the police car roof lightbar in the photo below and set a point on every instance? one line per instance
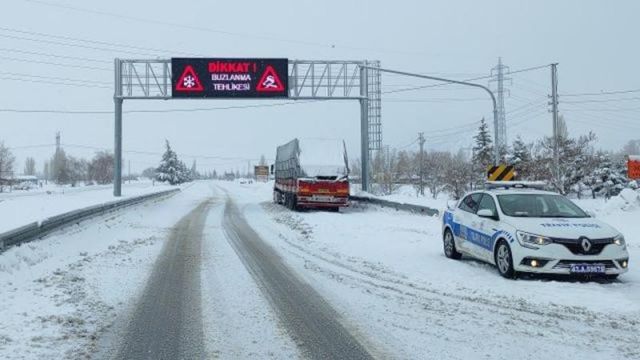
(538, 185)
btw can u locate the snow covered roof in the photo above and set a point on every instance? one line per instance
(317, 156)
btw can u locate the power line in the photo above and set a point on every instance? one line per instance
(137, 49)
(109, 112)
(600, 101)
(83, 81)
(434, 100)
(49, 82)
(466, 80)
(62, 43)
(406, 146)
(223, 32)
(31, 61)
(140, 152)
(604, 93)
(19, 51)
(606, 109)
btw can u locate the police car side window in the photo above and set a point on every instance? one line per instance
(470, 203)
(488, 203)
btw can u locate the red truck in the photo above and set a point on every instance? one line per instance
(312, 174)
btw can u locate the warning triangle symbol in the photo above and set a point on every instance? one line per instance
(270, 81)
(189, 80)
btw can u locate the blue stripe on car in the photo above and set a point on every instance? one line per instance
(476, 237)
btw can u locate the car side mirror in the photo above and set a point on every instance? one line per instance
(451, 204)
(591, 213)
(486, 213)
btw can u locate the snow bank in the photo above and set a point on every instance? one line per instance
(406, 194)
(18, 209)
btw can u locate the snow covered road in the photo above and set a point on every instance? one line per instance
(221, 271)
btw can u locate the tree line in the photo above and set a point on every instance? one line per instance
(64, 169)
(583, 169)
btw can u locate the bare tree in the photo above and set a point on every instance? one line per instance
(101, 167)
(77, 170)
(30, 166)
(149, 173)
(435, 164)
(6, 164)
(385, 170)
(631, 148)
(457, 173)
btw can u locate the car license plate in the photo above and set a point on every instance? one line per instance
(321, 198)
(587, 268)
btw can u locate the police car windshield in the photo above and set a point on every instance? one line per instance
(539, 205)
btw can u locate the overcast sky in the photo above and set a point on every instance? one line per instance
(594, 42)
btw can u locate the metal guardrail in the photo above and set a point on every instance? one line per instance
(36, 230)
(396, 205)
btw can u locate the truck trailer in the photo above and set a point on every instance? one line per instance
(312, 174)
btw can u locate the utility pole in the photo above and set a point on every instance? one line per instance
(500, 122)
(554, 110)
(422, 141)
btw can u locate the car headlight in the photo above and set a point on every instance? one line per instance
(619, 240)
(527, 239)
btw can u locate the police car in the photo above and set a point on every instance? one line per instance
(522, 229)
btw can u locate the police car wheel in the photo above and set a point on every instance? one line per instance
(450, 246)
(504, 260)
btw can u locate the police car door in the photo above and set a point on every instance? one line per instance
(463, 218)
(481, 238)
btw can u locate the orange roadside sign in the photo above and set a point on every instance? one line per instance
(633, 167)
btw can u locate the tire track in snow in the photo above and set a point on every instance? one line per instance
(167, 323)
(312, 323)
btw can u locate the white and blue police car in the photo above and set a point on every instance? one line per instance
(521, 228)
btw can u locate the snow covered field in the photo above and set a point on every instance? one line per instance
(386, 272)
(22, 207)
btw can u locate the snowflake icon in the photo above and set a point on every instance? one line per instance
(189, 81)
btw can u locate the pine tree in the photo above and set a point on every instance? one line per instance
(194, 170)
(170, 167)
(60, 167)
(482, 150)
(521, 158)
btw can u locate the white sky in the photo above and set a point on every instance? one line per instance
(595, 43)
